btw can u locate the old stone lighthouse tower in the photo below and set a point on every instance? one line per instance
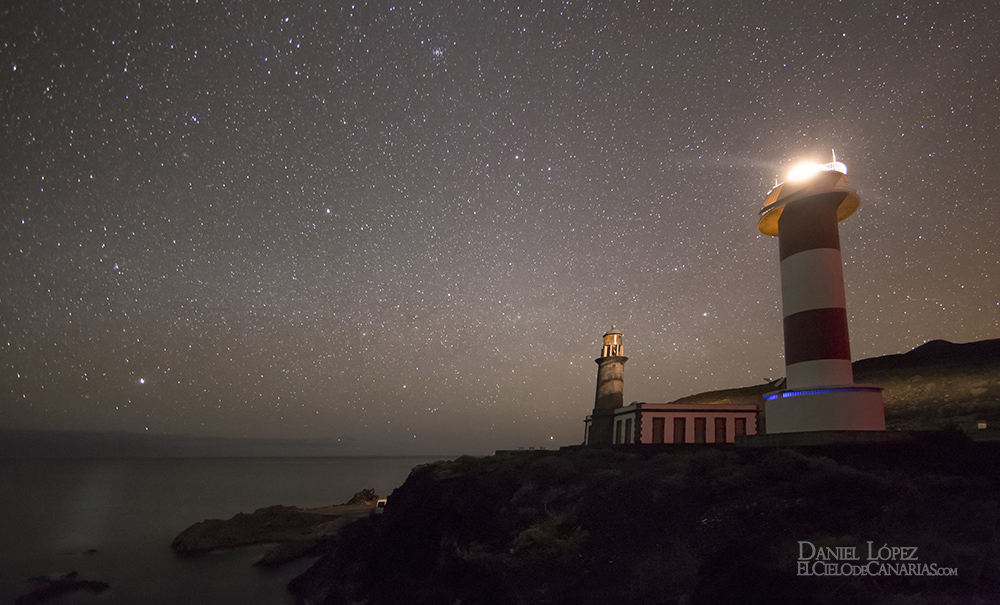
(610, 383)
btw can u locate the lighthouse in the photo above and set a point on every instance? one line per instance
(610, 385)
(819, 394)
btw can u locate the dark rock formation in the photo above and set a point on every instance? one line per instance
(51, 589)
(695, 524)
(271, 524)
(365, 496)
(297, 532)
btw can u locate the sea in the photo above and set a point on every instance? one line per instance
(113, 520)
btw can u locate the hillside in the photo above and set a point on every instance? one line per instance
(684, 524)
(705, 525)
(937, 385)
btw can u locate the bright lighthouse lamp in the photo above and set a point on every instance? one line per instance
(807, 169)
(805, 181)
(803, 171)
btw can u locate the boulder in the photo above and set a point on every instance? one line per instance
(49, 589)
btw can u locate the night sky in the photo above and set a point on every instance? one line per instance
(411, 223)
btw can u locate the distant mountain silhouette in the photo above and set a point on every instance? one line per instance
(941, 353)
(939, 384)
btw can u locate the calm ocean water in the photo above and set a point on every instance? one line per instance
(114, 520)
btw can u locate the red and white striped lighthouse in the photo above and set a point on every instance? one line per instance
(820, 394)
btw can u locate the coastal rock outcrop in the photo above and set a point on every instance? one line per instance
(365, 496)
(51, 589)
(692, 524)
(271, 524)
(296, 531)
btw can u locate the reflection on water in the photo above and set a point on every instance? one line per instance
(127, 512)
(82, 518)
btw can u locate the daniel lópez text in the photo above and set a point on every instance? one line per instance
(870, 559)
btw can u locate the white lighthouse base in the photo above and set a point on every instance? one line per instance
(837, 408)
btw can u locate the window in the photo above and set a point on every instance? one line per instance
(618, 432)
(741, 427)
(699, 430)
(628, 430)
(658, 429)
(720, 430)
(680, 430)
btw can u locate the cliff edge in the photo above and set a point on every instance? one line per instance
(697, 525)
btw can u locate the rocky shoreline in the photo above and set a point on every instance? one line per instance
(49, 589)
(295, 532)
(695, 525)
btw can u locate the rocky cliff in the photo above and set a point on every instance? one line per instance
(706, 525)
(295, 532)
(696, 525)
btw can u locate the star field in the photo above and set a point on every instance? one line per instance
(412, 222)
